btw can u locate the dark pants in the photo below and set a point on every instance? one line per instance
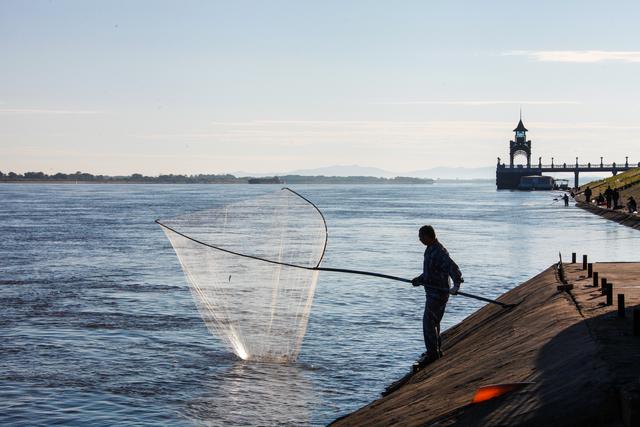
(433, 312)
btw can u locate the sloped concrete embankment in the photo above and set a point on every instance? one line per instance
(545, 340)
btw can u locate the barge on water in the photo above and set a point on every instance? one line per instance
(268, 180)
(536, 182)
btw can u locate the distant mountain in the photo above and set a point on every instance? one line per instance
(335, 170)
(346, 170)
(486, 172)
(356, 170)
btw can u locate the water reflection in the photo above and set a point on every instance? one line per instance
(258, 394)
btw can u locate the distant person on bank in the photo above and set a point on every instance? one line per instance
(608, 195)
(632, 205)
(437, 268)
(615, 194)
(587, 195)
(566, 199)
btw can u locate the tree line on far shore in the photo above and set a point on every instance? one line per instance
(133, 178)
(137, 178)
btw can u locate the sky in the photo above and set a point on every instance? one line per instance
(155, 87)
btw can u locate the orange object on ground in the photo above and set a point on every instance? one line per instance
(489, 392)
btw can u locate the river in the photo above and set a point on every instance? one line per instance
(98, 326)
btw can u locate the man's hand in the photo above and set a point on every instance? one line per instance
(417, 281)
(454, 289)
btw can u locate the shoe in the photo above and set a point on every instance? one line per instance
(424, 360)
(427, 358)
(426, 354)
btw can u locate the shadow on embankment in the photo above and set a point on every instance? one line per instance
(572, 385)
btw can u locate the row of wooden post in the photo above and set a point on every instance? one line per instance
(607, 291)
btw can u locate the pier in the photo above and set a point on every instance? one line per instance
(508, 176)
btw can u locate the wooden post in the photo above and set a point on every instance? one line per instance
(595, 279)
(621, 305)
(573, 257)
(590, 269)
(584, 262)
(603, 284)
(636, 321)
(609, 293)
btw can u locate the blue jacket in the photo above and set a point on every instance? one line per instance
(438, 267)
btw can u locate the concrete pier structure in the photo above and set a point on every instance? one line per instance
(508, 175)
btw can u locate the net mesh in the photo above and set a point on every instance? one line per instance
(233, 260)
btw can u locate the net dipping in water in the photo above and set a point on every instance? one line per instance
(251, 269)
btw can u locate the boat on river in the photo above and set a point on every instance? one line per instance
(536, 182)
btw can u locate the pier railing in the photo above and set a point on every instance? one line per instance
(508, 175)
(609, 166)
(583, 165)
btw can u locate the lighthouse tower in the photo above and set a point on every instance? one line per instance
(520, 145)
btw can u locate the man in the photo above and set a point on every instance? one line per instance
(587, 195)
(616, 196)
(632, 205)
(608, 194)
(566, 199)
(438, 267)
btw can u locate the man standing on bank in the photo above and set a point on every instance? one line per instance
(587, 195)
(438, 267)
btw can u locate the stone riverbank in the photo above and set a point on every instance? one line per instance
(580, 360)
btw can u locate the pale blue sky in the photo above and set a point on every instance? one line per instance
(118, 87)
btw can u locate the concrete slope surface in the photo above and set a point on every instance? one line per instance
(544, 340)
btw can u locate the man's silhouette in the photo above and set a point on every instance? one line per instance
(438, 267)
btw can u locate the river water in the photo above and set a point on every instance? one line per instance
(97, 324)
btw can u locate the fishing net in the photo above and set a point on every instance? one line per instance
(250, 266)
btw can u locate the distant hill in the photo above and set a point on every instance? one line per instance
(347, 170)
(356, 170)
(487, 172)
(335, 170)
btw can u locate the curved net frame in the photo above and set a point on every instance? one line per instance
(250, 266)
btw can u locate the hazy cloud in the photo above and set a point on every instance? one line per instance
(580, 56)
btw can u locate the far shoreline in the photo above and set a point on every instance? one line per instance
(137, 178)
(337, 182)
